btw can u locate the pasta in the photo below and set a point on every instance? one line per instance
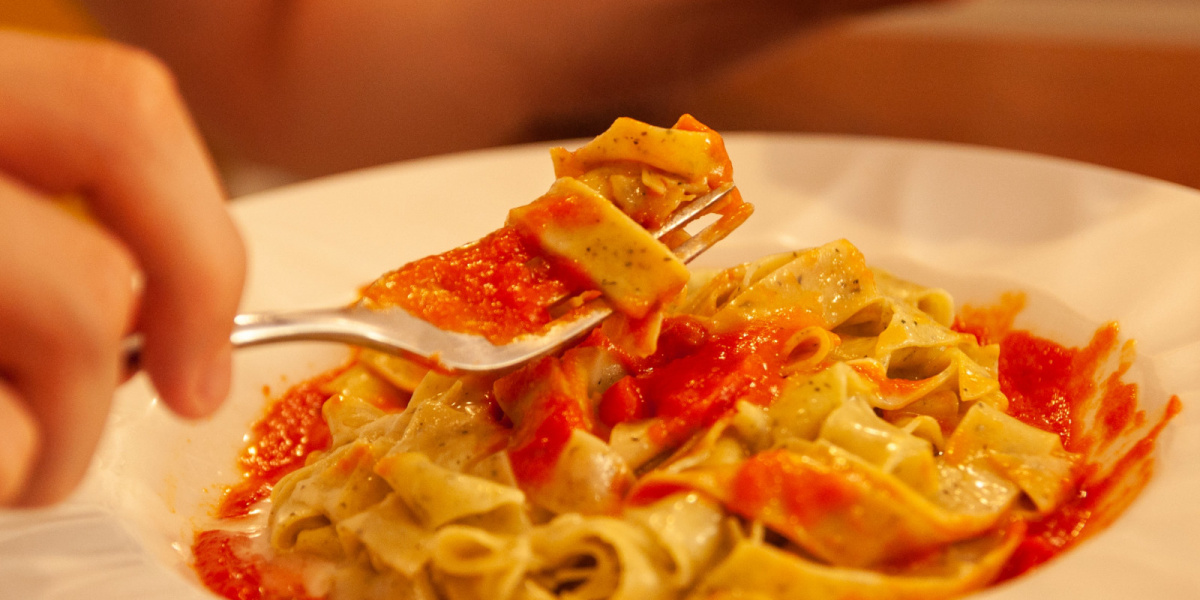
(800, 426)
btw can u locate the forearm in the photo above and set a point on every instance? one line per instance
(318, 86)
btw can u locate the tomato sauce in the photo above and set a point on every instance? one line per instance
(1051, 387)
(279, 444)
(227, 564)
(679, 336)
(1094, 507)
(1118, 409)
(889, 387)
(558, 211)
(725, 172)
(989, 324)
(1054, 388)
(492, 287)
(542, 435)
(695, 379)
(649, 492)
(804, 491)
(1036, 376)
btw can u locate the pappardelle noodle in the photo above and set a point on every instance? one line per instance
(800, 426)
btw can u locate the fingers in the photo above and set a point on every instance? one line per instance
(68, 299)
(106, 122)
(19, 430)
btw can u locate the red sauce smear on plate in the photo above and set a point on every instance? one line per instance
(228, 566)
(279, 444)
(989, 324)
(1053, 387)
(493, 287)
(1094, 507)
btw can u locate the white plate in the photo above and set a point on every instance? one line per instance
(1088, 244)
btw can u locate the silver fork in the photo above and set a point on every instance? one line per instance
(396, 331)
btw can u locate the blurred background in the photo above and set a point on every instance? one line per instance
(1109, 82)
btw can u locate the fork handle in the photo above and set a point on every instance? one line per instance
(252, 329)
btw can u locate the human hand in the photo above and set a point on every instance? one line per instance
(159, 254)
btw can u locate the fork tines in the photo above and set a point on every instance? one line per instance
(710, 203)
